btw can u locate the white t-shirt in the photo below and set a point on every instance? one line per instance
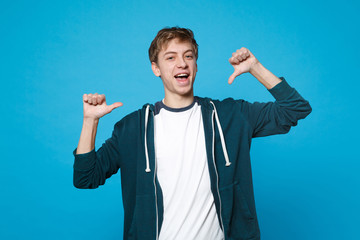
(183, 174)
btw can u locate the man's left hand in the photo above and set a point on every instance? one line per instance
(242, 60)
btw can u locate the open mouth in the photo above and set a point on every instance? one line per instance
(182, 76)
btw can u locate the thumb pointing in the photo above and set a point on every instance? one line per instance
(115, 105)
(232, 78)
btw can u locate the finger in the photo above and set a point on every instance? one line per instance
(247, 54)
(85, 97)
(89, 98)
(94, 99)
(236, 55)
(232, 78)
(236, 60)
(115, 105)
(100, 98)
(243, 55)
(240, 58)
(233, 61)
(243, 52)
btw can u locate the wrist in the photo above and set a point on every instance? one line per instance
(256, 69)
(264, 76)
(90, 121)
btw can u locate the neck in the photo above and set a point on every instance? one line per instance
(178, 101)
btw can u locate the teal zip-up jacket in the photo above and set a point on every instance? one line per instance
(229, 128)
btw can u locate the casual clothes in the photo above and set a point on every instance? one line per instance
(182, 171)
(229, 126)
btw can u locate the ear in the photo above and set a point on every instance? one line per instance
(155, 69)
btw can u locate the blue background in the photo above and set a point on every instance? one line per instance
(306, 182)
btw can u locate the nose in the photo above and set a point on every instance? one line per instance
(181, 63)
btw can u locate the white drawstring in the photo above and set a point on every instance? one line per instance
(228, 163)
(146, 148)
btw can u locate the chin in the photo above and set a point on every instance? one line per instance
(185, 92)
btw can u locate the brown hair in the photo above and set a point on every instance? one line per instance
(165, 35)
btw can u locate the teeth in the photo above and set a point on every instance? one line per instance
(182, 75)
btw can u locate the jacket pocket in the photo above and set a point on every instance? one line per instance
(239, 221)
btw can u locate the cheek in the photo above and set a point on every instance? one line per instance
(167, 69)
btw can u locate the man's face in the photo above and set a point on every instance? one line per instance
(177, 68)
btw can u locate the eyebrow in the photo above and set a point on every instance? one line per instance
(189, 50)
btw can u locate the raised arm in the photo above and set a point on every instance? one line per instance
(95, 107)
(272, 117)
(92, 168)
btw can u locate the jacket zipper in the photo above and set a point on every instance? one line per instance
(217, 176)
(155, 170)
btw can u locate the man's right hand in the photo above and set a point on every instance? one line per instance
(95, 106)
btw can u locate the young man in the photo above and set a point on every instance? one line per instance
(185, 161)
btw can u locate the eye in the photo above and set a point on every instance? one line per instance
(189, 56)
(170, 58)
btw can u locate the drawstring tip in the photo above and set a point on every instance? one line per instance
(228, 164)
(147, 170)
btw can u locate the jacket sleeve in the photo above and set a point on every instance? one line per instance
(279, 116)
(93, 168)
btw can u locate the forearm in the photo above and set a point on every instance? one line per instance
(88, 135)
(278, 117)
(264, 76)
